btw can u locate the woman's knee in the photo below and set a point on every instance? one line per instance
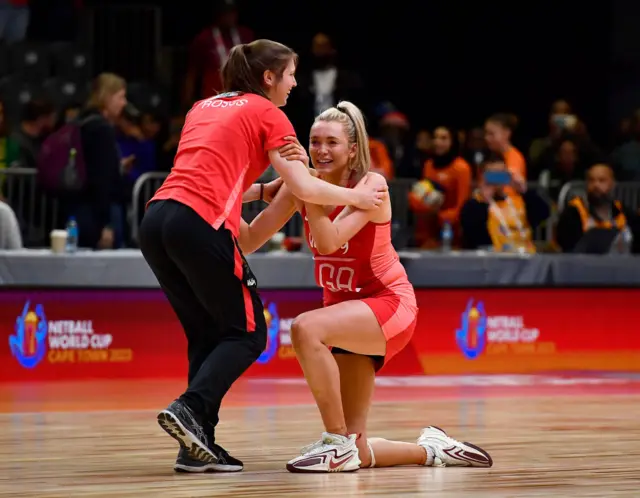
(304, 331)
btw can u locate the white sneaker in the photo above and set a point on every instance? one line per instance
(310, 447)
(334, 453)
(447, 452)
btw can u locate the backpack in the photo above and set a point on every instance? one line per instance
(61, 164)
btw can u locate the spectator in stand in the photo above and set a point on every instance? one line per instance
(8, 148)
(321, 84)
(14, 20)
(544, 152)
(626, 157)
(498, 131)
(98, 208)
(416, 156)
(69, 113)
(380, 161)
(560, 116)
(413, 156)
(10, 236)
(499, 219)
(424, 144)
(394, 132)
(566, 158)
(169, 146)
(475, 150)
(210, 50)
(443, 190)
(623, 133)
(591, 225)
(38, 120)
(136, 139)
(566, 165)
(137, 133)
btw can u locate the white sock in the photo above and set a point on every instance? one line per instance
(430, 455)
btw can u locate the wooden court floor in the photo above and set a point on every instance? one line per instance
(552, 436)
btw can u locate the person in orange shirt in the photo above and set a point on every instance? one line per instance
(498, 130)
(380, 160)
(445, 187)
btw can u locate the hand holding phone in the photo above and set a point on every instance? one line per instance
(497, 178)
(565, 121)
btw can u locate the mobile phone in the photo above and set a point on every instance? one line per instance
(565, 121)
(497, 177)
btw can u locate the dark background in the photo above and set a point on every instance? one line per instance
(456, 62)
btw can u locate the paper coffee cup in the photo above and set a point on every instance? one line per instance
(58, 241)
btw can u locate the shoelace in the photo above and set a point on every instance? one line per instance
(310, 447)
(222, 453)
(318, 446)
(437, 449)
(199, 430)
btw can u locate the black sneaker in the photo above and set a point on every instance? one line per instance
(182, 425)
(225, 463)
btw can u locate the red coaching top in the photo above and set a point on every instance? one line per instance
(224, 149)
(368, 268)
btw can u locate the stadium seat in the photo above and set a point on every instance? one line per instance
(147, 97)
(31, 62)
(70, 62)
(66, 92)
(4, 60)
(15, 92)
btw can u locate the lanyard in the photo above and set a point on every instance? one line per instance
(223, 53)
(592, 223)
(497, 212)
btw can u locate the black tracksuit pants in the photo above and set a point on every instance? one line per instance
(214, 294)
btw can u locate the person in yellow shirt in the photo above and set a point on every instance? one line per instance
(493, 218)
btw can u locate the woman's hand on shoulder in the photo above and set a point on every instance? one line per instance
(294, 151)
(374, 179)
(382, 212)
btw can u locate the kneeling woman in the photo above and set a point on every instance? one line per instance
(369, 312)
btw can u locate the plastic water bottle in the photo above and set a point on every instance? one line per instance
(72, 235)
(627, 236)
(624, 241)
(447, 237)
(70, 175)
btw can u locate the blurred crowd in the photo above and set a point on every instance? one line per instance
(81, 142)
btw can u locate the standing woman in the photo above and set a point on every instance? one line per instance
(189, 236)
(97, 207)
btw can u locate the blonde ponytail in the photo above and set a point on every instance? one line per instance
(353, 121)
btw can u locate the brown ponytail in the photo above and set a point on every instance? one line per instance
(245, 67)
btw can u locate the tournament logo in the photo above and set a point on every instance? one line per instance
(273, 328)
(472, 334)
(28, 345)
